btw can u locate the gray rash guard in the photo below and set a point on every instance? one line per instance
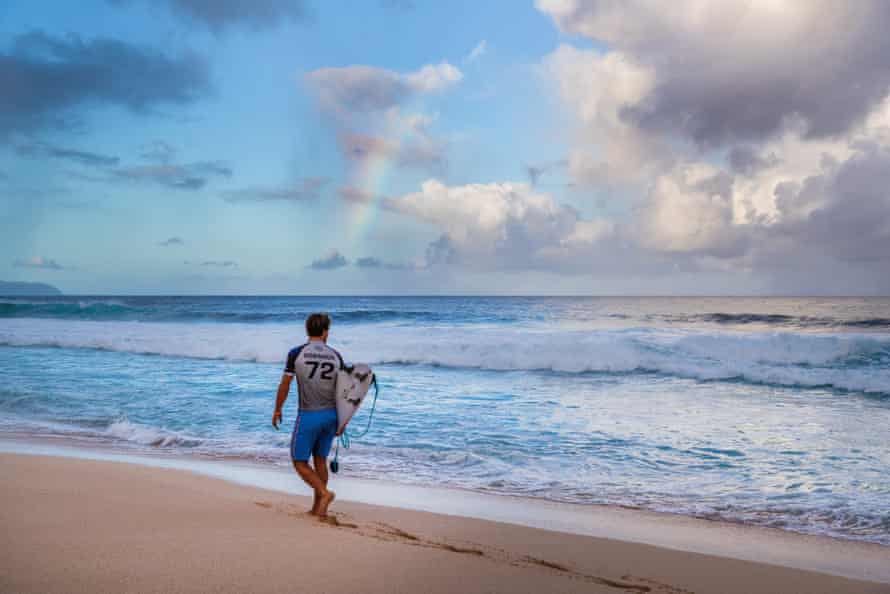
(315, 366)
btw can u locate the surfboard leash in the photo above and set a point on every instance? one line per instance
(345, 439)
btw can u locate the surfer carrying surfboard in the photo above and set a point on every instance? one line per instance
(315, 365)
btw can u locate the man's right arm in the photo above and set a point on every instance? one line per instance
(283, 389)
(284, 386)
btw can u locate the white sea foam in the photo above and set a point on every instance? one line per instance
(858, 362)
(126, 430)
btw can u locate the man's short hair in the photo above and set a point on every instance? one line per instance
(317, 324)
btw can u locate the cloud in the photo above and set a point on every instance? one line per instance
(172, 241)
(365, 104)
(598, 88)
(423, 154)
(477, 52)
(359, 147)
(745, 138)
(498, 226)
(433, 78)
(162, 170)
(413, 148)
(369, 262)
(213, 263)
(258, 14)
(843, 210)
(356, 195)
(308, 188)
(220, 263)
(219, 15)
(831, 214)
(359, 88)
(332, 260)
(56, 75)
(187, 176)
(441, 252)
(42, 149)
(38, 262)
(735, 72)
(158, 151)
(745, 160)
(534, 172)
(691, 210)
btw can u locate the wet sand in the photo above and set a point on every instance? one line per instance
(74, 525)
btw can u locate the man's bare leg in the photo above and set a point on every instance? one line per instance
(321, 469)
(311, 478)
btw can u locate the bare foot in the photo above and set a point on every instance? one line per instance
(324, 501)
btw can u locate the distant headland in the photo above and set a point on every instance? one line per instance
(16, 289)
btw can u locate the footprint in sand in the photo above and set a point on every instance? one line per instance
(384, 531)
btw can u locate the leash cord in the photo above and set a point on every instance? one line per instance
(345, 439)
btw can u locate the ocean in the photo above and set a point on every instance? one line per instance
(766, 411)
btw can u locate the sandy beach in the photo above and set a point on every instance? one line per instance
(98, 526)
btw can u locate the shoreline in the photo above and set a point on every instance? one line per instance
(75, 525)
(77, 445)
(829, 555)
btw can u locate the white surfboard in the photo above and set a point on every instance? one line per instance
(352, 387)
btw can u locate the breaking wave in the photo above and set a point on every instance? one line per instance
(844, 361)
(109, 310)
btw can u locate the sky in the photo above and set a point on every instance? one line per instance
(596, 147)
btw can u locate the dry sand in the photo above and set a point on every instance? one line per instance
(97, 526)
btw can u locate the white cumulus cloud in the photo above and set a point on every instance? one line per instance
(497, 225)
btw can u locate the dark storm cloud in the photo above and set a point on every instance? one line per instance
(42, 149)
(845, 211)
(309, 188)
(218, 15)
(746, 161)
(330, 261)
(44, 77)
(743, 71)
(719, 108)
(838, 216)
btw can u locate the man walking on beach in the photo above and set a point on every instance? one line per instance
(315, 366)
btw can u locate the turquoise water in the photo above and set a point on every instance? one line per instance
(765, 411)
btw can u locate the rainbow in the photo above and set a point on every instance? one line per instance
(372, 175)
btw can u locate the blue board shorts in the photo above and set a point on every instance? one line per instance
(313, 434)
